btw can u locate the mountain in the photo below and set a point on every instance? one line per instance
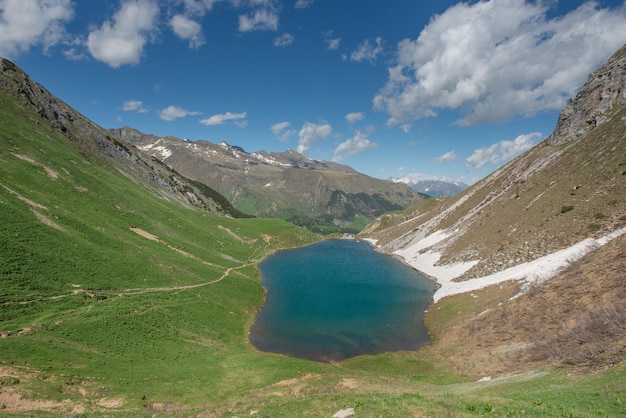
(537, 226)
(94, 142)
(433, 188)
(321, 195)
(128, 290)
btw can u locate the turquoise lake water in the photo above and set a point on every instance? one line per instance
(338, 299)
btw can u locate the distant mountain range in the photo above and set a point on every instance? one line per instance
(321, 195)
(432, 187)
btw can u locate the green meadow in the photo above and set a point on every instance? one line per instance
(116, 300)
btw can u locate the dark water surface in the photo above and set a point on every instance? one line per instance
(338, 299)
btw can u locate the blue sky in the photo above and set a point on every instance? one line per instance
(426, 89)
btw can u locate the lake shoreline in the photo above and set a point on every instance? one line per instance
(335, 300)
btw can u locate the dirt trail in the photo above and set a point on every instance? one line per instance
(138, 291)
(154, 238)
(184, 287)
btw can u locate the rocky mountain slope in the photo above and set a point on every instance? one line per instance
(94, 141)
(525, 223)
(433, 188)
(287, 185)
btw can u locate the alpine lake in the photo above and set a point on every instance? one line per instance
(340, 298)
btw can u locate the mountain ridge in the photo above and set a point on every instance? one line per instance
(322, 195)
(522, 233)
(432, 188)
(534, 190)
(95, 141)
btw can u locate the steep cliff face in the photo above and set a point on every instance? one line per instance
(595, 103)
(95, 142)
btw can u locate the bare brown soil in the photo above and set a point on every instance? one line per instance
(577, 319)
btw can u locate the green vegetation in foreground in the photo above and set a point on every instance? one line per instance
(100, 320)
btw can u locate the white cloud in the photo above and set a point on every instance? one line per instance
(171, 113)
(502, 151)
(415, 177)
(122, 41)
(358, 144)
(354, 117)
(26, 23)
(134, 106)
(448, 157)
(222, 118)
(260, 20)
(282, 132)
(187, 29)
(303, 4)
(367, 51)
(311, 132)
(284, 39)
(499, 58)
(333, 43)
(198, 7)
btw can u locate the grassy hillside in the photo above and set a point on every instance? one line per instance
(118, 300)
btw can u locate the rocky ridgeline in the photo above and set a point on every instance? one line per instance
(594, 103)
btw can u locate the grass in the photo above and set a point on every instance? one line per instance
(100, 320)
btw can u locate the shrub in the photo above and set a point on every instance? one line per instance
(566, 208)
(592, 340)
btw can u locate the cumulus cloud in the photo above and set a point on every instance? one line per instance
(261, 19)
(358, 144)
(368, 51)
(499, 58)
(134, 106)
(284, 39)
(502, 151)
(222, 118)
(187, 29)
(27, 23)
(448, 157)
(311, 132)
(282, 131)
(171, 113)
(354, 117)
(121, 41)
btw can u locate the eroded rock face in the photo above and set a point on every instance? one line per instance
(593, 104)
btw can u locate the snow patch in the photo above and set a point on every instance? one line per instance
(162, 150)
(372, 241)
(269, 160)
(532, 272)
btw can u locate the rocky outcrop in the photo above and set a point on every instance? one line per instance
(594, 103)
